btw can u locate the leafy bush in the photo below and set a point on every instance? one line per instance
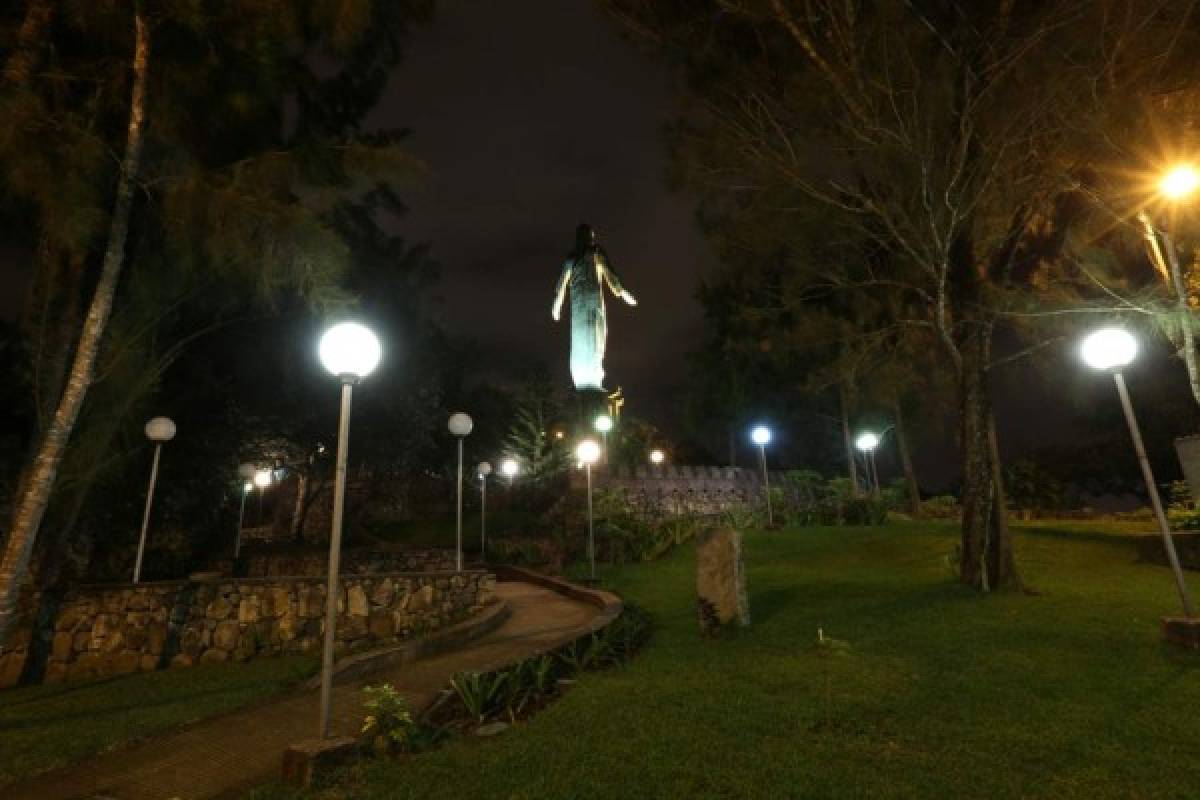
(482, 693)
(1182, 512)
(942, 506)
(389, 725)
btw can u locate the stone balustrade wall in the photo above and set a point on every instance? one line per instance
(111, 630)
(674, 489)
(354, 561)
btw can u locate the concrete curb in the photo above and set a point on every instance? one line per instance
(609, 604)
(360, 664)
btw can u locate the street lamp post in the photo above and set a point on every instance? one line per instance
(761, 436)
(460, 425)
(245, 475)
(510, 468)
(588, 452)
(603, 424)
(484, 469)
(351, 352)
(262, 479)
(158, 430)
(1111, 349)
(867, 442)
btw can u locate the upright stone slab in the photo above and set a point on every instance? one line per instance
(720, 576)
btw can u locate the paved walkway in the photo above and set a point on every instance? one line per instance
(224, 756)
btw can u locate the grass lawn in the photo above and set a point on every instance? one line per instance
(941, 692)
(42, 727)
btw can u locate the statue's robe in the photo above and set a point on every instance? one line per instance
(585, 276)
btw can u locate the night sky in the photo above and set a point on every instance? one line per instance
(532, 117)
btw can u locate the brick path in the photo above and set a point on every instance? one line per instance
(224, 756)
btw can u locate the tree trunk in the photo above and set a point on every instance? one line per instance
(986, 558)
(910, 474)
(298, 508)
(848, 438)
(30, 506)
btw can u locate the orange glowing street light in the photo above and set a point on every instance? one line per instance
(1179, 182)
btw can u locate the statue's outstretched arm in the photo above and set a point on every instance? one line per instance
(614, 283)
(561, 291)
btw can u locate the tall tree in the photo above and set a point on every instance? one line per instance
(951, 138)
(214, 180)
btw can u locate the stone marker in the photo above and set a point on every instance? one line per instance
(304, 759)
(720, 576)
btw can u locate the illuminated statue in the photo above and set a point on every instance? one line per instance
(586, 270)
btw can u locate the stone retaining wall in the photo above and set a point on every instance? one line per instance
(111, 630)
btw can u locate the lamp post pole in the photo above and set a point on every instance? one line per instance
(1148, 476)
(460, 425)
(137, 564)
(591, 529)
(762, 455)
(237, 542)
(335, 552)
(482, 516)
(158, 430)
(349, 351)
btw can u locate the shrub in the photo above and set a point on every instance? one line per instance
(389, 725)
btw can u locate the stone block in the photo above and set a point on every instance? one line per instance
(56, 672)
(113, 602)
(248, 609)
(401, 622)
(380, 624)
(278, 602)
(114, 642)
(135, 637)
(190, 641)
(122, 663)
(289, 627)
(1183, 632)
(356, 601)
(11, 667)
(218, 609)
(420, 600)
(226, 636)
(148, 663)
(182, 660)
(85, 666)
(214, 656)
(306, 759)
(311, 602)
(19, 638)
(82, 641)
(156, 638)
(720, 575)
(383, 593)
(61, 646)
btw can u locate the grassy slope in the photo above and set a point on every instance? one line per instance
(942, 693)
(42, 727)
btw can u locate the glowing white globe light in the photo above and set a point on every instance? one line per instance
(459, 424)
(587, 451)
(484, 469)
(160, 429)
(1179, 182)
(760, 435)
(1109, 348)
(247, 487)
(603, 423)
(657, 456)
(866, 442)
(262, 478)
(510, 467)
(350, 349)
